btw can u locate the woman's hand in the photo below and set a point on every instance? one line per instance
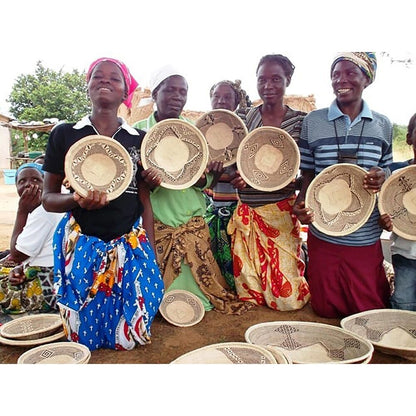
(94, 200)
(305, 215)
(151, 177)
(30, 199)
(217, 169)
(238, 182)
(16, 276)
(386, 222)
(374, 178)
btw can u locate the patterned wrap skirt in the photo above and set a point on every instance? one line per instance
(108, 292)
(266, 247)
(190, 244)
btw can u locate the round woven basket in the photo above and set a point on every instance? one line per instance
(311, 342)
(56, 353)
(99, 163)
(177, 150)
(268, 158)
(223, 131)
(32, 327)
(391, 331)
(31, 342)
(340, 203)
(398, 199)
(228, 353)
(181, 308)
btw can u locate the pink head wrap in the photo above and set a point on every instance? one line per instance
(131, 83)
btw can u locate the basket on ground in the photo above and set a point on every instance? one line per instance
(310, 342)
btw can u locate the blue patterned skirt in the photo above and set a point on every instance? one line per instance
(108, 292)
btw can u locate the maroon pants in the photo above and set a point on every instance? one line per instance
(344, 280)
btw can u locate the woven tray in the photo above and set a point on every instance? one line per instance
(391, 331)
(310, 342)
(56, 353)
(224, 131)
(227, 353)
(398, 198)
(98, 163)
(31, 327)
(178, 150)
(340, 202)
(181, 308)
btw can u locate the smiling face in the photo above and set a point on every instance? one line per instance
(348, 82)
(271, 82)
(224, 97)
(107, 85)
(170, 97)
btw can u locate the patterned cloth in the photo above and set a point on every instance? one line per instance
(34, 294)
(108, 293)
(366, 61)
(190, 243)
(217, 220)
(266, 256)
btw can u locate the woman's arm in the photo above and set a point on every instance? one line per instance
(305, 215)
(52, 198)
(55, 201)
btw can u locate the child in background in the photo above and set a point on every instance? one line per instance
(403, 251)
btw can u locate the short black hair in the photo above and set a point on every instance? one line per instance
(282, 60)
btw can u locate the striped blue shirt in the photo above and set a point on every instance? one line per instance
(327, 131)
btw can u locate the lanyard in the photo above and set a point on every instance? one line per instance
(359, 141)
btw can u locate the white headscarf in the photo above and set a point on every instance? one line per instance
(161, 74)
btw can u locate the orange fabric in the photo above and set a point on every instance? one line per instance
(266, 249)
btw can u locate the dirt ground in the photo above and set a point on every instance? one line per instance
(168, 341)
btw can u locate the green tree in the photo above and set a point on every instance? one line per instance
(49, 94)
(46, 94)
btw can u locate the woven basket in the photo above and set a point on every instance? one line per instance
(338, 199)
(227, 353)
(391, 331)
(56, 353)
(398, 199)
(31, 342)
(32, 327)
(224, 131)
(100, 163)
(177, 150)
(268, 158)
(310, 342)
(181, 308)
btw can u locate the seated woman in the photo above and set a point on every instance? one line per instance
(28, 285)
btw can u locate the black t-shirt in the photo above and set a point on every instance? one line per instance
(118, 217)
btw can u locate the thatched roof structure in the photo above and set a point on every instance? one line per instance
(142, 106)
(4, 118)
(33, 126)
